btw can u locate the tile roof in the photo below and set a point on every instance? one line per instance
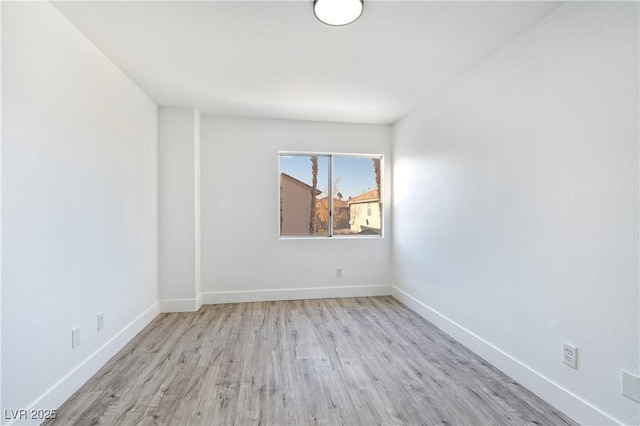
(365, 196)
(336, 202)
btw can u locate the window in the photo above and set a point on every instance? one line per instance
(330, 195)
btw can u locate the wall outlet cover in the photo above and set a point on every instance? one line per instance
(570, 355)
(100, 321)
(630, 385)
(75, 337)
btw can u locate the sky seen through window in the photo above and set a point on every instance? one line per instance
(354, 175)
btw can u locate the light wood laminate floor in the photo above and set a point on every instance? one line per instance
(355, 361)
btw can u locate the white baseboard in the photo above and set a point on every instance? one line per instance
(180, 305)
(57, 394)
(217, 297)
(571, 405)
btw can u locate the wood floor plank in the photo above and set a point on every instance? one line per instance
(352, 361)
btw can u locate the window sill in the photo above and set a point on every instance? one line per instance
(336, 237)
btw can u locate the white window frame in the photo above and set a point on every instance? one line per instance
(331, 156)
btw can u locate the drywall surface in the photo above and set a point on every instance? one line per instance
(79, 207)
(516, 202)
(197, 183)
(179, 177)
(241, 250)
(1, 406)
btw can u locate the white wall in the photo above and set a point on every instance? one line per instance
(516, 208)
(197, 190)
(1, 405)
(179, 205)
(79, 218)
(242, 257)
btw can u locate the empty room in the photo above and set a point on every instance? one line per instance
(320, 212)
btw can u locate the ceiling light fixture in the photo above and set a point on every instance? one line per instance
(338, 12)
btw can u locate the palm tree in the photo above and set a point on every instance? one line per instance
(376, 170)
(281, 218)
(314, 184)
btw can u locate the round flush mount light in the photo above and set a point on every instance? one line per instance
(338, 12)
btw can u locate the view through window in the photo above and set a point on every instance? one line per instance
(330, 195)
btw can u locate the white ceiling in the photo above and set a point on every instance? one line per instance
(275, 60)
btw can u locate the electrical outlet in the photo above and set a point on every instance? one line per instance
(75, 337)
(569, 355)
(630, 385)
(339, 272)
(100, 322)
